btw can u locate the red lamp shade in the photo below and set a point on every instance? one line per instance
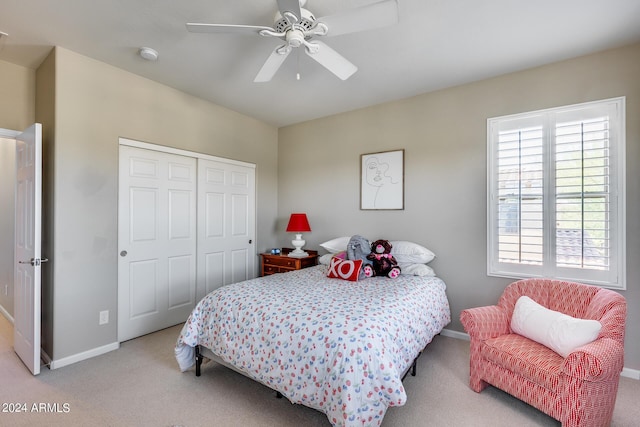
(298, 223)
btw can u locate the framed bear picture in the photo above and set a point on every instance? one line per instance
(382, 180)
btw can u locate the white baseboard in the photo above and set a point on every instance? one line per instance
(45, 357)
(59, 363)
(55, 364)
(631, 373)
(455, 334)
(626, 372)
(6, 314)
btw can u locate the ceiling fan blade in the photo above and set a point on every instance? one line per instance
(273, 63)
(291, 6)
(332, 60)
(194, 27)
(375, 15)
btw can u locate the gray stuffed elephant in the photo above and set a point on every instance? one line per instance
(358, 248)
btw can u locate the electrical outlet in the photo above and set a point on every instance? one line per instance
(104, 317)
(6, 290)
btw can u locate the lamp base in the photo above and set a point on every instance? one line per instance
(296, 254)
(298, 243)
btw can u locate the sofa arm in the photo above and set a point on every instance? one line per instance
(600, 360)
(485, 322)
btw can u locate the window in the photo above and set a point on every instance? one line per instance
(556, 188)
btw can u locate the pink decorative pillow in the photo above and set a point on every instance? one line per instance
(344, 269)
(341, 255)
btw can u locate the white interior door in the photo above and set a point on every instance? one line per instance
(226, 224)
(28, 264)
(157, 240)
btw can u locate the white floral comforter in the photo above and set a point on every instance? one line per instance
(337, 346)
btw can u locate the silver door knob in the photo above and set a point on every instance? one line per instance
(123, 253)
(34, 261)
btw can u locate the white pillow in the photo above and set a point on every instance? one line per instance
(336, 245)
(325, 259)
(417, 270)
(410, 253)
(558, 331)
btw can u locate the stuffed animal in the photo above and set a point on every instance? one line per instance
(359, 248)
(384, 264)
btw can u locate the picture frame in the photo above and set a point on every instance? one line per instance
(382, 180)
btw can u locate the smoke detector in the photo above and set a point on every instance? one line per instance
(148, 53)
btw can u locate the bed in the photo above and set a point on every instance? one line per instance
(337, 346)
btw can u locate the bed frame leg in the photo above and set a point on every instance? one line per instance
(198, 360)
(278, 395)
(415, 365)
(413, 369)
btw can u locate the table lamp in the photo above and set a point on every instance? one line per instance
(298, 224)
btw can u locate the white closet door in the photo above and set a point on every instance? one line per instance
(157, 240)
(226, 224)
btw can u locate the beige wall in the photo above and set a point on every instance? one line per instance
(7, 223)
(45, 113)
(444, 137)
(95, 104)
(86, 105)
(17, 96)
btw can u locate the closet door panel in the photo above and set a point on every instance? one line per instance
(228, 220)
(156, 239)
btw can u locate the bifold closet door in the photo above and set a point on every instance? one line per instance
(157, 240)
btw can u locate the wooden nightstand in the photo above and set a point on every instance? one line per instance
(272, 264)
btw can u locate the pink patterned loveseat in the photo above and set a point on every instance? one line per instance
(577, 390)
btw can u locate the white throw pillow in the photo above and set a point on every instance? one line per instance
(325, 259)
(410, 253)
(558, 331)
(336, 245)
(411, 269)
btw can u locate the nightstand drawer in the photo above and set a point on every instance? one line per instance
(272, 269)
(280, 260)
(272, 264)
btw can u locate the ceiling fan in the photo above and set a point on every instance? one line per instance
(298, 27)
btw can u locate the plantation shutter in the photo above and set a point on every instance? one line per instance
(556, 194)
(520, 195)
(582, 194)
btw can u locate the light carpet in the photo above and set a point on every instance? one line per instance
(140, 385)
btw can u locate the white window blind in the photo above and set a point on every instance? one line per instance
(556, 194)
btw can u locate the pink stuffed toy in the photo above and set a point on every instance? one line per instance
(384, 264)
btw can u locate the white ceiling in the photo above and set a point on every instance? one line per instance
(436, 44)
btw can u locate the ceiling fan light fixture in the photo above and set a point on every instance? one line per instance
(297, 27)
(148, 53)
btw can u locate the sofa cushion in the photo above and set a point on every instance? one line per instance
(526, 358)
(556, 330)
